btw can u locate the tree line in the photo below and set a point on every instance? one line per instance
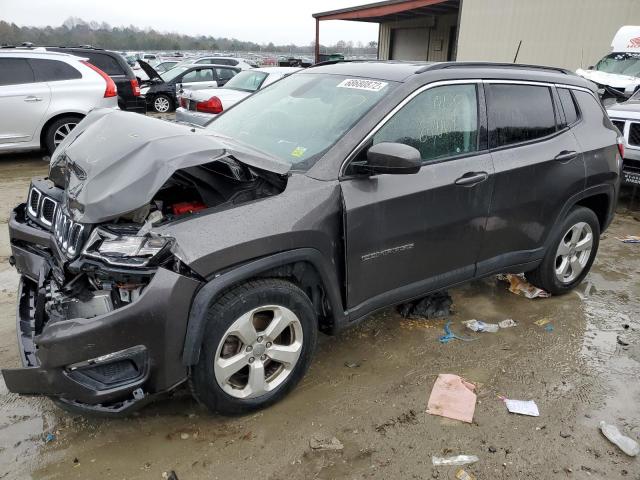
(75, 31)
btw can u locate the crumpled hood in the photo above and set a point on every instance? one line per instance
(620, 82)
(114, 162)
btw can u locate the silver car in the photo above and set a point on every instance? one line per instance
(199, 107)
(626, 116)
(47, 94)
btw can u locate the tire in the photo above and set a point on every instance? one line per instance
(162, 103)
(262, 301)
(558, 273)
(58, 130)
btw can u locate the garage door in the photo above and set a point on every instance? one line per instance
(409, 43)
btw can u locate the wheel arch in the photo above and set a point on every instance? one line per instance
(306, 267)
(58, 116)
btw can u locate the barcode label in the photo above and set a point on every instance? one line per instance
(359, 84)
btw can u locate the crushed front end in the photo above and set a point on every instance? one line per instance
(99, 329)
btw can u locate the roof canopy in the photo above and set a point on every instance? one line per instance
(391, 10)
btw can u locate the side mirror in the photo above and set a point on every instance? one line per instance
(393, 158)
(590, 67)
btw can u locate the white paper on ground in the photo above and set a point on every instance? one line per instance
(523, 407)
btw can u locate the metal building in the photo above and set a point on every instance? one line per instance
(563, 33)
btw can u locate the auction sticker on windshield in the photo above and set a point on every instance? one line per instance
(360, 84)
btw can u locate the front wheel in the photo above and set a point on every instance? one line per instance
(258, 343)
(162, 104)
(571, 253)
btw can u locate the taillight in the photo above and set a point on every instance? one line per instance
(621, 146)
(135, 87)
(110, 90)
(213, 105)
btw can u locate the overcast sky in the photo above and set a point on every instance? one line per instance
(277, 21)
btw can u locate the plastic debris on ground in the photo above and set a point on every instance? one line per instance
(169, 475)
(548, 328)
(325, 443)
(508, 323)
(522, 407)
(452, 397)
(626, 444)
(436, 305)
(542, 322)
(449, 335)
(50, 437)
(480, 326)
(461, 474)
(519, 286)
(629, 239)
(455, 461)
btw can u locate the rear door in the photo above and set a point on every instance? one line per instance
(407, 234)
(199, 78)
(538, 167)
(23, 101)
(223, 75)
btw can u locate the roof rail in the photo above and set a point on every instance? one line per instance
(443, 65)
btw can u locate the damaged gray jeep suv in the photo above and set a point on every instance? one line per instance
(157, 254)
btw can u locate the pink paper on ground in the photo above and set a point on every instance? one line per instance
(452, 397)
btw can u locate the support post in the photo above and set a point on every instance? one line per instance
(317, 45)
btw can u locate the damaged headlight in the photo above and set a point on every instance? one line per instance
(127, 250)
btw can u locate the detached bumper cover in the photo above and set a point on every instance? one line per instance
(107, 359)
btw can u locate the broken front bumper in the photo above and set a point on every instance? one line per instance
(109, 363)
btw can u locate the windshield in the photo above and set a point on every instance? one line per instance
(624, 63)
(173, 73)
(249, 81)
(298, 118)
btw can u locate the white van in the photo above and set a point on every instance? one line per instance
(618, 72)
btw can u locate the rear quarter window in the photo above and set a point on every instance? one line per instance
(106, 63)
(519, 113)
(568, 105)
(591, 108)
(53, 70)
(15, 71)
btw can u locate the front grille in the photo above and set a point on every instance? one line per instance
(34, 202)
(619, 124)
(634, 134)
(48, 211)
(41, 208)
(68, 234)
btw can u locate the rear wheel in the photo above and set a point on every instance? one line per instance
(162, 104)
(571, 253)
(58, 131)
(258, 343)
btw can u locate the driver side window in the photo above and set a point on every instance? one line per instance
(439, 122)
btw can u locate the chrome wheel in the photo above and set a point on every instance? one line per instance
(61, 133)
(161, 104)
(258, 351)
(574, 252)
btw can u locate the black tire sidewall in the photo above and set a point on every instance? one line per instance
(162, 95)
(547, 271)
(51, 129)
(222, 314)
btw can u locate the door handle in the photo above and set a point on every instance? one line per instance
(31, 98)
(472, 178)
(566, 156)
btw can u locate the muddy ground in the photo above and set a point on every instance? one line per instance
(369, 388)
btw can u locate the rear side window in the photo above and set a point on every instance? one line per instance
(53, 70)
(225, 73)
(591, 108)
(568, 105)
(439, 122)
(15, 71)
(106, 63)
(519, 113)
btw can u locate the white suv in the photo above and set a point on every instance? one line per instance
(216, 60)
(43, 96)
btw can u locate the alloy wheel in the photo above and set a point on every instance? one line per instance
(161, 104)
(574, 252)
(61, 133)
(258, 351)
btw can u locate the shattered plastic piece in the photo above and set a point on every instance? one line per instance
(457, 460)
(626, 444)
(452, 397)
(169, 475)
(548, 328)
(324, 443)
(436, 305)
(522, 407)
(461, 474)
(508, 323)
(49, 438)
(480, 326)
(542, 321)
(629, 239)
(519, 286)
(448, 335)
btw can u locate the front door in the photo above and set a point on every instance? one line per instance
(408, 234)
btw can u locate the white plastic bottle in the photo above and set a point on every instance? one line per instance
(626, 444)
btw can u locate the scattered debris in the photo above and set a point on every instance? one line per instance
(565, 434)
(171, 475)
(449, 335)
(436, 305)
(325, 443)
(626, 444)
(461, 474)
(492, 449)
(548, 328)
(352, 364)
(508, 323)
(522, 407)
(50, 437)
(184, 436)
(622, 341)
(519, 286)
(452, 397)
(542, 322)
(406, 417)
(629, 239)
(457, 460)
(480, 326)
